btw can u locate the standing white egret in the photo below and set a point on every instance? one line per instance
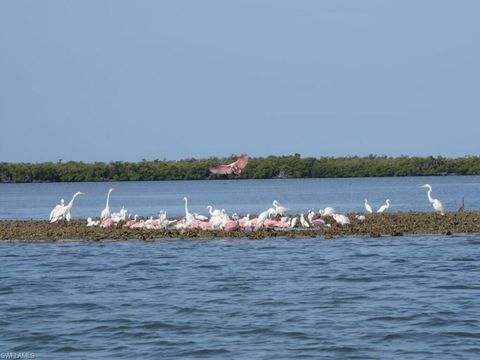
(384, 207)
(437, 205)
(293, 222)
(106, 212)
(189, 218)
(304, 222)
(264, 216)
(279, 209)
(64, 212)
(368, 207)
(213, 212)
(310, 215)
(56, 208)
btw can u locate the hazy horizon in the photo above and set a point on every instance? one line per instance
(122, 81)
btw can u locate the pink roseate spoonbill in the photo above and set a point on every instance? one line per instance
(63, 212)
(234, 168)
(368, 207)
(106, 212)
(437, 205)
(138, 225)
(318, 222)
(131, 222)
(231, 225)
(384, 207)
(244, 220)
(107, 223)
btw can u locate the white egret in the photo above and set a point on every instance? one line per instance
(384, 207)
(437, 205)
(91, 222)
(310, 215)
(279, 209)
(200, 217)
(368, 207)
(212, 212)
(121, 215)
(189, 218)
(293, 222)
(304, 222)
(106, 212)
(64, 211)
(328, 211)
(341, 219)
(56, 209)
(264, 216)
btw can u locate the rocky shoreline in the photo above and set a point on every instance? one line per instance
(388, 224)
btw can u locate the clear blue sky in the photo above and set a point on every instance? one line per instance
(126, 80)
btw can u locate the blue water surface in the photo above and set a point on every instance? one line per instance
(351, 298)
(35, 201)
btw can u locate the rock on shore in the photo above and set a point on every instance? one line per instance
(388, 224)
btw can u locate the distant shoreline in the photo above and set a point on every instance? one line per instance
(271, 167)
(388, 224)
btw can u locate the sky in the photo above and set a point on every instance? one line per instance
(98, 80)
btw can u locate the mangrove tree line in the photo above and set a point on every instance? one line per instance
(293, 166)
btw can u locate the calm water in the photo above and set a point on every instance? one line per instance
(34, 201)
(388, 298)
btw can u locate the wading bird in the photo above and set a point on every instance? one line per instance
(384, 207)
(437, 205)
(368, 207)
(462, 208)
(64, 211)
(304, 222)
(233, 168)
(341, 219)
(106, 212)
(279, 209)
(56, 209)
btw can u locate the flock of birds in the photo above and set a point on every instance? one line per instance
(275, 217)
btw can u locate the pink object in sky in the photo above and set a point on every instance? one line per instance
(233, 168)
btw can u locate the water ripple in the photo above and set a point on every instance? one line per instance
(409, 297)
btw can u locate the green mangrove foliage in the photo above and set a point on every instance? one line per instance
(270, 167)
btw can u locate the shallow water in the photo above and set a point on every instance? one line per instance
(388, 298)
(34, 201)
